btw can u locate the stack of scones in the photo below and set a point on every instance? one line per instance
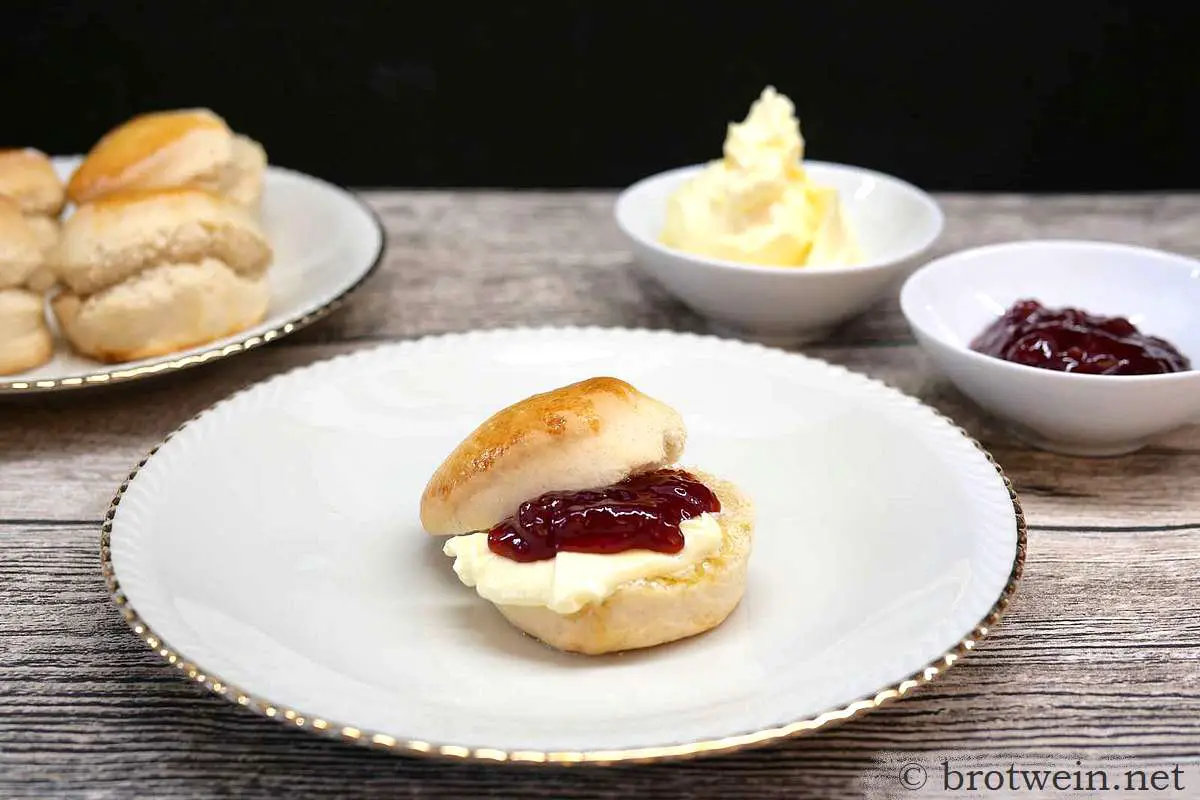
(161, 250)
(31, 199)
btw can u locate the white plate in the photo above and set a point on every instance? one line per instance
(271, 551)
(326, 243)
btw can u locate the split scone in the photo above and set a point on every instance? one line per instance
(28, 178)
(25, 340)
(151, 272)
(172, 149)
(567, 512)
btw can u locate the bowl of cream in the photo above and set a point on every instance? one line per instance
(771, 246)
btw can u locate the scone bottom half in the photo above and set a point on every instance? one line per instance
(569, 512)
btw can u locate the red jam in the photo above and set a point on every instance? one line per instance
(1071, 340)
(642, 512)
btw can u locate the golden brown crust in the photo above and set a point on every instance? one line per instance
(570, 410)
(119, 201)
(28, 177)
(586, 434)
(185, 147)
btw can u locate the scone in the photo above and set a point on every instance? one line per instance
(162, 310)
(171, 149)
(25, 340)
(151, 272)
(27, 177)
(567, 512)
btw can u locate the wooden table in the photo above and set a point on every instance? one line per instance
(1098, 656)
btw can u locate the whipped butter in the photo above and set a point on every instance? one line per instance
(757, 205)
(569, 581)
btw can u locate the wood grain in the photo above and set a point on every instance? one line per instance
(1099, 655)
(494, 259)
(65, 456)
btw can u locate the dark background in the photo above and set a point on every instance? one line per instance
(1045, 96)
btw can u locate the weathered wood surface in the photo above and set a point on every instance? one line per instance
(1099, 655)
(64, 456)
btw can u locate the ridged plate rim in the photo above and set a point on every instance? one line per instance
(298, 718)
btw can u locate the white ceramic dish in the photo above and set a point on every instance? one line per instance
(949, 301)
(894, 221)
(271, 551)
(326, 243)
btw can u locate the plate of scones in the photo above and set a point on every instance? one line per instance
(564, 545)
(172, 242)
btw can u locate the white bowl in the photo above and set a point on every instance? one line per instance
(894, 222)
(949, 301)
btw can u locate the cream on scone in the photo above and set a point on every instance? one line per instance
(118, 236)
(166, 149)
(568, 512)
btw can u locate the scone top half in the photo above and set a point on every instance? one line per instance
(165, 149)
(27, 176)
(586, 435)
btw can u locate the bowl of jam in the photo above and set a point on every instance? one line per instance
(1080, 347)
(1073, 340)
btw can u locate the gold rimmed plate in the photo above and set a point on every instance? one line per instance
(271, 551)
(326, 243)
